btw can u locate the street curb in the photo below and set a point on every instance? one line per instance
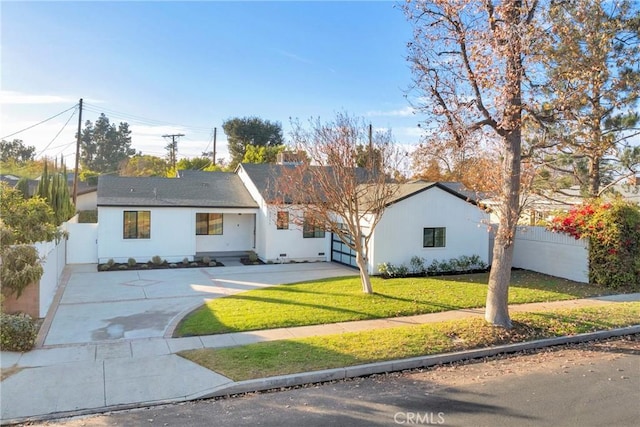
(263, 384)
(303, 378)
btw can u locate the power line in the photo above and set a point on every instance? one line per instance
(58, 134)
(139, 119)
(39, 123)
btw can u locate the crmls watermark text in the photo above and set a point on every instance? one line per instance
(425, 418)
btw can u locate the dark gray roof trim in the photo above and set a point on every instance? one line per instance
(418, 187)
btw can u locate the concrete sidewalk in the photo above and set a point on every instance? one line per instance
(93, 377)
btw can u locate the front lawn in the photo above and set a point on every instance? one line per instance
(341, 299)
(334, 351)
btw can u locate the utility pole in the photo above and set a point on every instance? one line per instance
(370, 156)
(78, 138)
(215, 132)
(173, 147)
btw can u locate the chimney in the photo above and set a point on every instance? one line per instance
(291, 157)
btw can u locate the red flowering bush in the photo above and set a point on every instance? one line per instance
(613, 230)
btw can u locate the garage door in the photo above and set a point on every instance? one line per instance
(342, 253)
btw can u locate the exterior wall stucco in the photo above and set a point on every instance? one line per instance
(398, 235)
(290, 242)
(87, 201)
(237, 233)
(172, 234)
(260, 243)
(271, 242)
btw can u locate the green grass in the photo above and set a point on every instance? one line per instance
(341, 299)
(333, 351)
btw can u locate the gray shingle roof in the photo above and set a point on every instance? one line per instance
(265, 176)
(197, 189)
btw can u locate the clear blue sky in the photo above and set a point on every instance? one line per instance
(185, 67)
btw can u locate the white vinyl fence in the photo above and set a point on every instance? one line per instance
(556, 254)
(53, 255)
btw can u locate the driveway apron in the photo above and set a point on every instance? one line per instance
(121, 305)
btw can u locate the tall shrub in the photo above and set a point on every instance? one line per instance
(55, 190)
(613, 230)
(22, 222)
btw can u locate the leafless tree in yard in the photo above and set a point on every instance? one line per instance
(331, 191)
(470, 60)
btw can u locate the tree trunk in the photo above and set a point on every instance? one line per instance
(497, 306)
(364, 273)
(594, 177)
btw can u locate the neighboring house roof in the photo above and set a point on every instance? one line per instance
(83, 188)
(203, 189)
(12, 181)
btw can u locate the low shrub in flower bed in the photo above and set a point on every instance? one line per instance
(419, 268)
(157, 263)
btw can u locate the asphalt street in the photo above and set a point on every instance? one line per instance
(591, 384)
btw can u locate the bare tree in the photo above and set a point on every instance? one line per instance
(331, 191)
(469, 59)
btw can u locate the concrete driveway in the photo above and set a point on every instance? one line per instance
(106, 306)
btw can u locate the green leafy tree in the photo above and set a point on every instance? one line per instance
(104, 146)
(29, 169)
(262, 154)
(592, 55)
(245, 131)
(17, 151)
(144, 165)
(195, 163)
(22, 222)
(89, 176)
(25, 221)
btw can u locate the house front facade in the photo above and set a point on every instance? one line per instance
(174, 218)
(431, 221)
(221, 213)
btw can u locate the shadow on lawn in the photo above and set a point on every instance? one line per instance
(328, 301)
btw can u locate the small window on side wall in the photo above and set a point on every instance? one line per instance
(434, 237)
(282, 220)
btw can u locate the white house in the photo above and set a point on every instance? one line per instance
(174, 218)
(217, 213)
(432, 221)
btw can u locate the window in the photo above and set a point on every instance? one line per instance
(282, 220)
(311, 229)
(208, 224)
(137, 224)
(434, 237)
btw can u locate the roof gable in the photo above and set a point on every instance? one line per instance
(411, 189)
